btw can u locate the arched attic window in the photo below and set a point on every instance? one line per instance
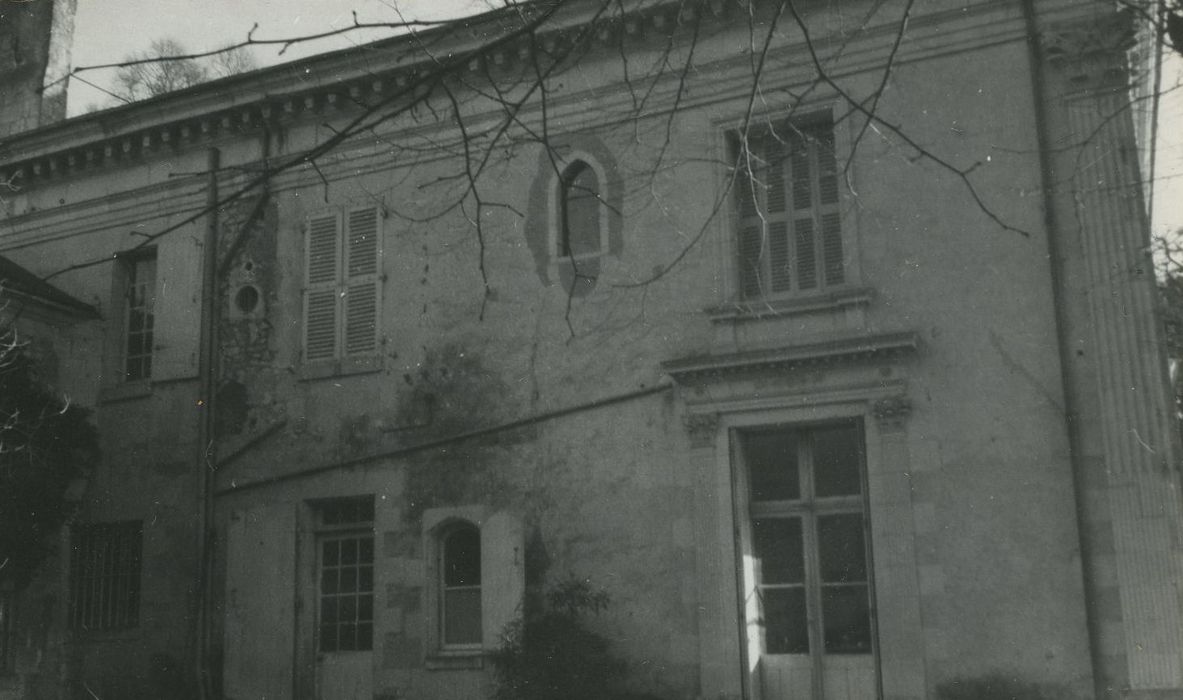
(580, 208)
(460, 586)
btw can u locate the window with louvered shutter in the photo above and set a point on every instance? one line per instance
(362, 251)
(342, 277)
(790, 235)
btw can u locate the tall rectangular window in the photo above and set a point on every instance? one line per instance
(105, 575)
(808, 543)
(342, 253)
(345, 564)
(787, 210)
(139, 316)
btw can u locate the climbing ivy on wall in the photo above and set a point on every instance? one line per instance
(45, 442)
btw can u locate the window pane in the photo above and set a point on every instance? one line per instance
(365, 608)
(772, 465)
(331, 551)
(581, 211)
(843, 553)
(365, 579)
(365, 637)
(846, 617)
(347, 609)
(836, 460)
(462, 616)
(462, 557)
(348, 552)
(328, 581)
(348, 580)
(348, 638)
(365, 551)
(779, 550)
(785, 631)
(328, 611)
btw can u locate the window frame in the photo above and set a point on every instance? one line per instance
(128, 264)
(727, 138)
(125, 580)
(747, 510)
(337, 290)
(443, 533)
(328, 529)
(557, 207)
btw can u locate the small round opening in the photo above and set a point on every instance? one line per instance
(247, 299)
(248, 266)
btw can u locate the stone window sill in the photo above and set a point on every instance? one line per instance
(458, 660)
(340, 368)
(125, 392)
(758, 309)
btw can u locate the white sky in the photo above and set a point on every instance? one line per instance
(107, 30)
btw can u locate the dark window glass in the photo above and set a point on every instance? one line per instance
(843, 553)
(846, 616)
(772, 465)
(461, 586)
(808, 538)
(346, 593)
(837, 460)
(785, 630)
(580, 234)
(779, 549)
(140, 306)
(462, 557)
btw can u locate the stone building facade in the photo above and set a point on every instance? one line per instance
(831, 406)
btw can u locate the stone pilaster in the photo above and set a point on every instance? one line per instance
(1134, 522)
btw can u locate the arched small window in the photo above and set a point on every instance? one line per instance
(460, 594)
(580, 206)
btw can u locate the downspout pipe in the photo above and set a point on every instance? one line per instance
(207, 456)
(1055, 254)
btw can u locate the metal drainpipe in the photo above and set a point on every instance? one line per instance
(207, 457)
(1055, 261)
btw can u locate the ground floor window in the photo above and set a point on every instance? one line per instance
(105, 575)
(347, 593)
(460, 594)
(345, 563)
(806, 545)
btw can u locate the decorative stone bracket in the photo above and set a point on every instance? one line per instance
(892, 412)
(701, 427)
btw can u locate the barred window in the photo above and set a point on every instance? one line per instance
(790, 233)
(105, 575)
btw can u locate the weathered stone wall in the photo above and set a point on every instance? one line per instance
(553, 412)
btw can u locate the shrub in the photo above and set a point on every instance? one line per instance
(550, 653)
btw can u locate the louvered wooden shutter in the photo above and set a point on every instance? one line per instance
(363, 250)
(322, 307)
(787, 200)
(833, 261)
